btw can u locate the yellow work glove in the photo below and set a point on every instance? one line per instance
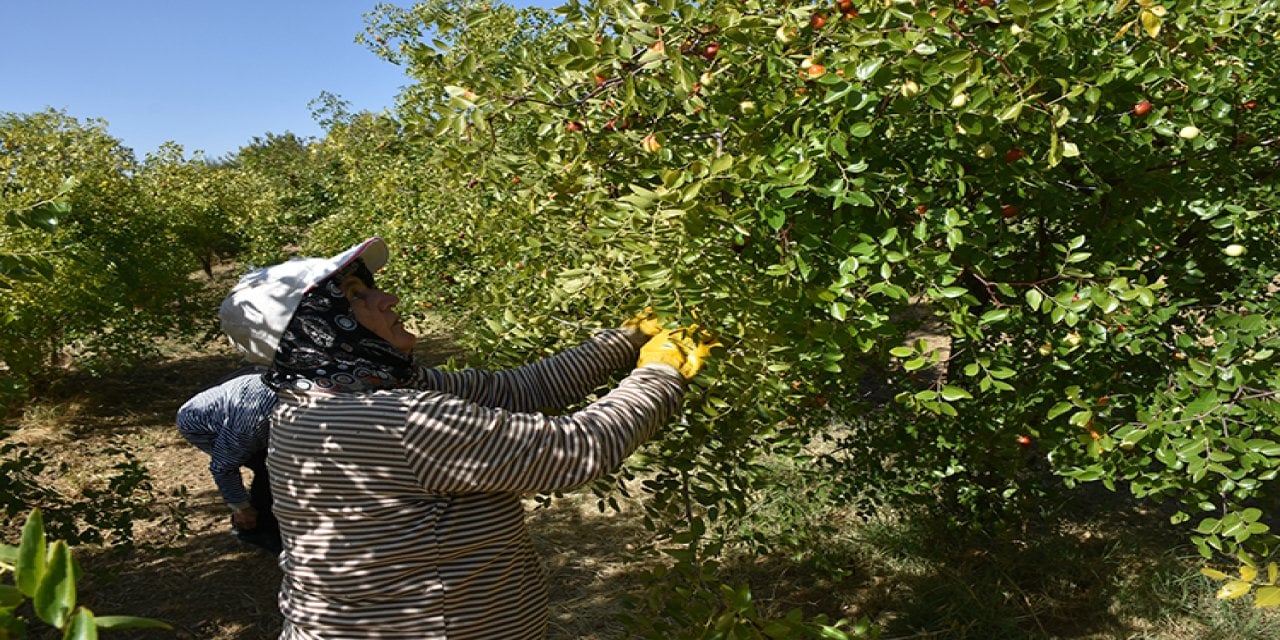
(647, 322)
(679, 350)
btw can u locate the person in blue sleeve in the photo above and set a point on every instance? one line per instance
(229, 421)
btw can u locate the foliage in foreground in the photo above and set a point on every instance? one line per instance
(45, 574)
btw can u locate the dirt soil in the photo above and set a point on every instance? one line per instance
(208, 584)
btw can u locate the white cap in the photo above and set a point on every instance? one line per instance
(254, 315)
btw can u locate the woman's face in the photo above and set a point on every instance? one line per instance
(374, 310)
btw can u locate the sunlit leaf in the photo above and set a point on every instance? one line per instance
(81, 626)
(32, 555)
(1248, 573)
(129, 622)
(55, 597)
(1214, 573)
(1268, 596)
(1150, 22)
(1233, 589)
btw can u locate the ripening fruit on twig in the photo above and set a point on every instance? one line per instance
(818, 21)
(909, 89)
(1015, 154)
(986, 151)
(747, 107)
(709, 52)
(1071, 339)
(1142, 108)
(1008, 211)
(1234, 250)
(1189, 132)
(1024, 440)
(815, 71)
(784, 35)
(573, 127)
(650, 143)
(959, 100)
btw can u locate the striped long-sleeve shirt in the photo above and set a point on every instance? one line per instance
(401, 510)
(229, 422)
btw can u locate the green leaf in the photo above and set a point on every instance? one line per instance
(81, 627)
(1202, 405)
(10, 596)
(721, 163)
(1208, 526)
(130, 622)
(1081, 418)
(1010, 113)
(44, 218)
(995, 315)
(868, 69)
(55, 598)
(1214, 573)
(1034, 298)
(32, 556)
(839, 310)
(1058, 409)
(951, 393)
(860, 130)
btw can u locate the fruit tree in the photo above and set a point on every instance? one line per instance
(1075, 196)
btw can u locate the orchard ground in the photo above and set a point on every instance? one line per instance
(1108, 568)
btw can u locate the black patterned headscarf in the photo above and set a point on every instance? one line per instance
(325, 349)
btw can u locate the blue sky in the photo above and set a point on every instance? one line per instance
(209, 75)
